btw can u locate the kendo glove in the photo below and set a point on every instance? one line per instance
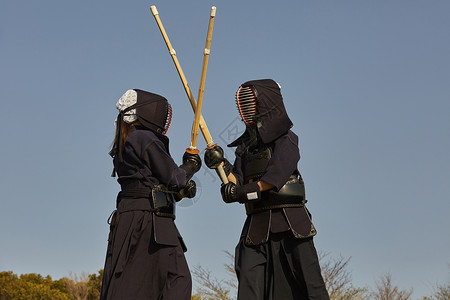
(191, 164)
(189, 190)
(242, 194)
(214, 157)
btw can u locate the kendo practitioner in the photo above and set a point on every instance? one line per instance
(275, 257)
(145, 255)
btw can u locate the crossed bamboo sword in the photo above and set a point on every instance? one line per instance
(199, 122)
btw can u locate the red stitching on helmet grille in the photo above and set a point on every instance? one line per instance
(249, 101)
(168, 119)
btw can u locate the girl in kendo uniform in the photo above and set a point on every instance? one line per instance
(275, 257)
(145, 255)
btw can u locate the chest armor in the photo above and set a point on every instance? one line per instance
(255, 164)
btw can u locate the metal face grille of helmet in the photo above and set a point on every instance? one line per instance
(168, 118)
(246, 104)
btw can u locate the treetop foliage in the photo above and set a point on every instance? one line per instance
(34, 286)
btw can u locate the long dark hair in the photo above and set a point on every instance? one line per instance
(121, 136)
(119, 146)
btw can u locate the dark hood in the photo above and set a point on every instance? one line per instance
(151, 110)
(272, 120)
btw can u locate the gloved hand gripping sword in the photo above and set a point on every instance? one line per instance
(198, 119)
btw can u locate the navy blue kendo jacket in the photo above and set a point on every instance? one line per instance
(146, 158)
(146, 162)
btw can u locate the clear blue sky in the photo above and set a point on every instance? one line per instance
(366, 83)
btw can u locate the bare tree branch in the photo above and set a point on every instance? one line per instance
(338, 279)
(229, 267)
(212, 288)
(386, 290)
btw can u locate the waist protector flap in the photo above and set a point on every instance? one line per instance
(163, 202)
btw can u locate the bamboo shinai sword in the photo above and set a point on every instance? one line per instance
(196, 107)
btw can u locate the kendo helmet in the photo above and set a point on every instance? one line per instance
(153, 111)
(260, 105)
